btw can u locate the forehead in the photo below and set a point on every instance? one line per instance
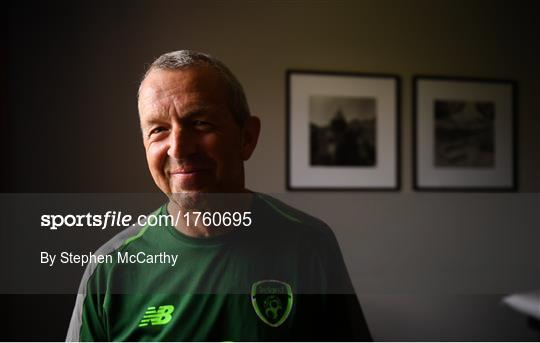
(201, 85)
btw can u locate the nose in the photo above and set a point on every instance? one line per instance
(182, 143)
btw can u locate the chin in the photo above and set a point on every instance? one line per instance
(191, 199)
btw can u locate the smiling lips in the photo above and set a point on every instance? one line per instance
(187, 170)
(193, 173)
(189, 177)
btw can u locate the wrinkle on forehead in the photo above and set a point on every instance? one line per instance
(165, 91)
(161, 88)
(157, 90)
(168, 110)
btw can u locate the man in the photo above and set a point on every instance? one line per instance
(268, 272)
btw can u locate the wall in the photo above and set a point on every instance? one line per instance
(425, 265)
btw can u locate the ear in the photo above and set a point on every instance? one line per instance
(252, 128)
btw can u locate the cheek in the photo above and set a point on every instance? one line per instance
(220, 148)
(227, 153)
(156, 155)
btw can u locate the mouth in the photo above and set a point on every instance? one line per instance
(189, 179)
(187, 171)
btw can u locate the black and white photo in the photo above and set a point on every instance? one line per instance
(464, 134)
(343, 131)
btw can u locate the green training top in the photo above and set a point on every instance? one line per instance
(282, 278)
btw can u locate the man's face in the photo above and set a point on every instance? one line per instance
(193, 144)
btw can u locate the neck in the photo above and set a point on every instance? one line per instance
(198, 217)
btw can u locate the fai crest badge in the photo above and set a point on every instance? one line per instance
(272, 301)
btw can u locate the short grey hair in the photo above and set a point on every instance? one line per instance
(183, 59)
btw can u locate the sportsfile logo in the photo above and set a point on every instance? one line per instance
(161, 316)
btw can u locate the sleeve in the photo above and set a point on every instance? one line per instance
(89, 320)
(345, 320)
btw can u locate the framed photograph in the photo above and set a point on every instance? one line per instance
(342, 131)
(464, 134)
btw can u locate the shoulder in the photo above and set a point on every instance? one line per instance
(294, 219)
(126, 237)
(122, 239)
(117, 243)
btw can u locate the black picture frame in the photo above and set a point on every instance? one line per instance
(491, 168)
(378, 91)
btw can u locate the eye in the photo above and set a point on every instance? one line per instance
(156, 131)
(201, 124)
